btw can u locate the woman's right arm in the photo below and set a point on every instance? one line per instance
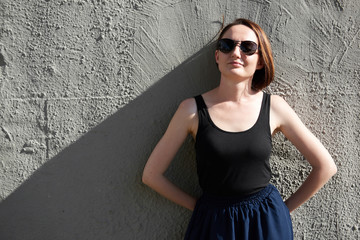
(184, 122)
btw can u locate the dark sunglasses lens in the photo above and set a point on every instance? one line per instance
(226, 45)
(248, 47)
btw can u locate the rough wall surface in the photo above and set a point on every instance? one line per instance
(87, 88)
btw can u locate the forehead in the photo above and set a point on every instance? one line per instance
(240, 33)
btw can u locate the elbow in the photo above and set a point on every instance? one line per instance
(328, 170)
(146, 175)
(148, 178)
(145, 178)
(333, 170)
(325, 171)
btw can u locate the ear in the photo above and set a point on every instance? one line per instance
(260, 64)
(217, 56)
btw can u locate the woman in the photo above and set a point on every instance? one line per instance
(233, 125)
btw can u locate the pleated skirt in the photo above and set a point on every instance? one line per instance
(260, 216)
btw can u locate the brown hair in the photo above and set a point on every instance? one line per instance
(262, 77)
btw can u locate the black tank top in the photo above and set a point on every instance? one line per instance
(233, 163)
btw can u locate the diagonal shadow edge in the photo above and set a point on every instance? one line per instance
(94, 185)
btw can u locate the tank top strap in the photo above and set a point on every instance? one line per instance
(200, 103)
(265, 112)
(266, 105)
(202, 112)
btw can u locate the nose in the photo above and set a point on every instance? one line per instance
(237, 51)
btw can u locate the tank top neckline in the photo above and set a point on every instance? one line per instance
(230, 132)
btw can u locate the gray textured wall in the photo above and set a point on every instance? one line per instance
(87, 88)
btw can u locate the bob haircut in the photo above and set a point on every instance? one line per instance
(262, 77)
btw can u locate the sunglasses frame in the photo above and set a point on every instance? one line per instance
(247, 52)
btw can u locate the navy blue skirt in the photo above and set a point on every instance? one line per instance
(262, 215)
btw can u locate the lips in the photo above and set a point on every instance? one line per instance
(236, 64)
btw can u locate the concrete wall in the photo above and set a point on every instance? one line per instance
(87, 88)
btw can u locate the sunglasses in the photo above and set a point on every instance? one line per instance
(227, 45)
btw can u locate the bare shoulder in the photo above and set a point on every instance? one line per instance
(278, 104)
(281, 114)
(186, 115)
(187, 109)
(281, 109)
(188, 106)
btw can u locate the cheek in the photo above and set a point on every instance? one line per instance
(253, 61)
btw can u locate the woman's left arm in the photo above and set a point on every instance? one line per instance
(284, 119)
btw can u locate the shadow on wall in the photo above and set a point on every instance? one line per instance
(93, 189)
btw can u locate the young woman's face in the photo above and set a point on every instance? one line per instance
(236, 63)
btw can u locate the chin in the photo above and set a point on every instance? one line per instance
(240, 73)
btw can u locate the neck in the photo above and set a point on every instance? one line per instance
(232, 90)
